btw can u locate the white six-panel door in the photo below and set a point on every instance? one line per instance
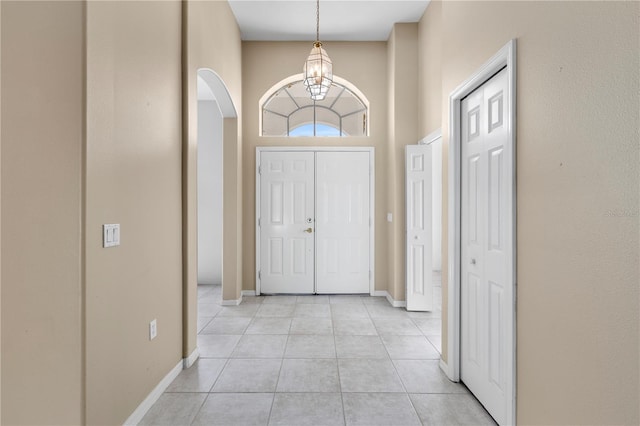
(342, 221)
(314, 222)
(419, 289)
(485, 287)
(286, 222)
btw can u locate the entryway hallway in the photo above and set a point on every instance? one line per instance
(315, 360)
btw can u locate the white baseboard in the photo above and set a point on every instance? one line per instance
(444, 367)
(232, 302)
(188, 361)
(392, 302)
(154, 395)
(396, 303)
(248, 292)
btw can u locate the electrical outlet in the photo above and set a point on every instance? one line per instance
(153, 329)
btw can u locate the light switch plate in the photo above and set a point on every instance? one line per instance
(389, 217)
(110, 235)
(153, 329)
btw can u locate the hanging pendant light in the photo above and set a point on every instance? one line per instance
(318, 69)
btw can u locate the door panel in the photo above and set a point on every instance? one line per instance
(485, 198)
(419, 282)
(287, 202)
(342, 222)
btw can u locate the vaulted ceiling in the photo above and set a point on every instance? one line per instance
(340, 20)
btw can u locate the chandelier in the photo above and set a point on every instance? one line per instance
(318, 70)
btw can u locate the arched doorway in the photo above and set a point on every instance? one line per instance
(219, 140)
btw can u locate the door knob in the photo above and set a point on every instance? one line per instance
(309, 230)
(473, 261)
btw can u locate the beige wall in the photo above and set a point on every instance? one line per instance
(57, 191)
(213, 43)
(133, 177)
(390, 164)
(577, 195)
(430, 70)
(402, 65)
(266, 63)
(432, 101)
(42, 145)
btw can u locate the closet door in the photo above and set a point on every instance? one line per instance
(485, 202)
(343, 222)
(286, 222)
(419, 281)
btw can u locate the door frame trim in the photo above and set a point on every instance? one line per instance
(372, 180)
(505, 57)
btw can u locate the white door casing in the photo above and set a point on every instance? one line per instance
(286, 222)
(482, 233)
(419, 285)
(342, 181)
(342, 222)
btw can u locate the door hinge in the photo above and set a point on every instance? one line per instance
(370, 274)
(259, 170)
(259, 223)
(259, 275)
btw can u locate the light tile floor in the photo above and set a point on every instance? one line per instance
(315, 360)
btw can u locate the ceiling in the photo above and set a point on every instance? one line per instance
(340, 20)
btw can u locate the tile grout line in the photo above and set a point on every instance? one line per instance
(395, 368)
(333, 330)
(335, 345)
(221, 370)
(226, 363)
(199, 409)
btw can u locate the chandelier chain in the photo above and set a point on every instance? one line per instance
(318, 20)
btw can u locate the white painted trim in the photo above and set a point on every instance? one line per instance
(154, 395)
(315, 149)
(248, 293)
(392, 302)
(257, 220)
(431, 137)
(372, 193)
(232, 302)
(372, 217)
(396, 303)
(445, 368)
(506, 57)
(220, 92)
(191, 359)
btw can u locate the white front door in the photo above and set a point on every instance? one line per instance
(419, 239)
(486, 288)
(286, 222)
(314, 222)
(342, 221)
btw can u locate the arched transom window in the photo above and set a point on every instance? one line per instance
(287, 110)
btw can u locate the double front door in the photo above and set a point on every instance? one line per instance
(314, 222)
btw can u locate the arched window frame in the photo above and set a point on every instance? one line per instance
(282, 84)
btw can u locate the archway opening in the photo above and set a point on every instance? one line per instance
(211, 228)
(209, 186)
